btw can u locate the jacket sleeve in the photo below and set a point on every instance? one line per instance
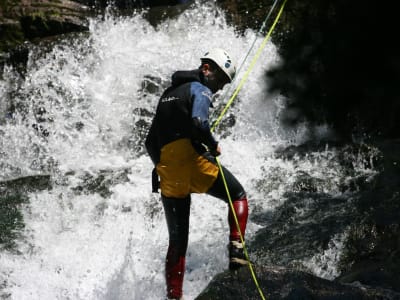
(201, 100)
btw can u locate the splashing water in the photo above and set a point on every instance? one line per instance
(82, 112)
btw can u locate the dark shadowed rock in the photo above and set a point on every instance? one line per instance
(100, 182)
(13, 194)
(282, 283)
(22, 20)
(25, 184)
(372, 251)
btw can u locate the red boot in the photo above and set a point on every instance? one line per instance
(237, 258)
(174, 272)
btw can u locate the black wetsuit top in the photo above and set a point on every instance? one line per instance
(182, 112)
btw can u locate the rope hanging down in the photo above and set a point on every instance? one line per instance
(253, 274)
(260, 31)
(250, 68)
(252, 64)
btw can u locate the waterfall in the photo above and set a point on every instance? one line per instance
(80, 115)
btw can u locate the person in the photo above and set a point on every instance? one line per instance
(183, 150)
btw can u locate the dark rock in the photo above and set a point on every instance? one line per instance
(23, 22)
(25, 184)
(13, 194)
(100, 182)
(368, 211)
(331, 71)
(282, 283)
(372, 251)
(11, 220)
(299, 228)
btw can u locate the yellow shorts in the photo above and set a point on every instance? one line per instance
(183, 171)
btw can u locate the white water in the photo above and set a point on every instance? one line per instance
(89, 247)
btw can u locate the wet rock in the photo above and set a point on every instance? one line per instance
(25, 185)
(100, 182)
(22, 20)
(13, 194)
(282, 283)
(372, 251)
(359, 226)
(152, 85)
(11, 220)
(299, 228)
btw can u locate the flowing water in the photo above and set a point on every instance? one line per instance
(80, 115)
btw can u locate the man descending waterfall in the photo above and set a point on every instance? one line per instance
(183, 149)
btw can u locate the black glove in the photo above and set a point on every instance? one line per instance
(214, 151)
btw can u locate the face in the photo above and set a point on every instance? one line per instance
(216, 79)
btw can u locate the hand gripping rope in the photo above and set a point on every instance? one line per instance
(246, 75)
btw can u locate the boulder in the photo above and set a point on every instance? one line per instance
(284, 283)
(25, 20)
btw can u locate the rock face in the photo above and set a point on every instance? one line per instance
(13, 194)
(369, 262)
(22, 20)
(282, 283)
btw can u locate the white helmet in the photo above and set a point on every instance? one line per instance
(223, 61)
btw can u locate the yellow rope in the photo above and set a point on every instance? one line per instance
(253, 274)
(250, 68)
(246, 75)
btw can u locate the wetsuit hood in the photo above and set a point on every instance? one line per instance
(181, 77)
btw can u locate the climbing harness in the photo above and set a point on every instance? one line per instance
(252, 64)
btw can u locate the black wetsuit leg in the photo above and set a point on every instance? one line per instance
(218, 190)
(239, 204)
(177, 212)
